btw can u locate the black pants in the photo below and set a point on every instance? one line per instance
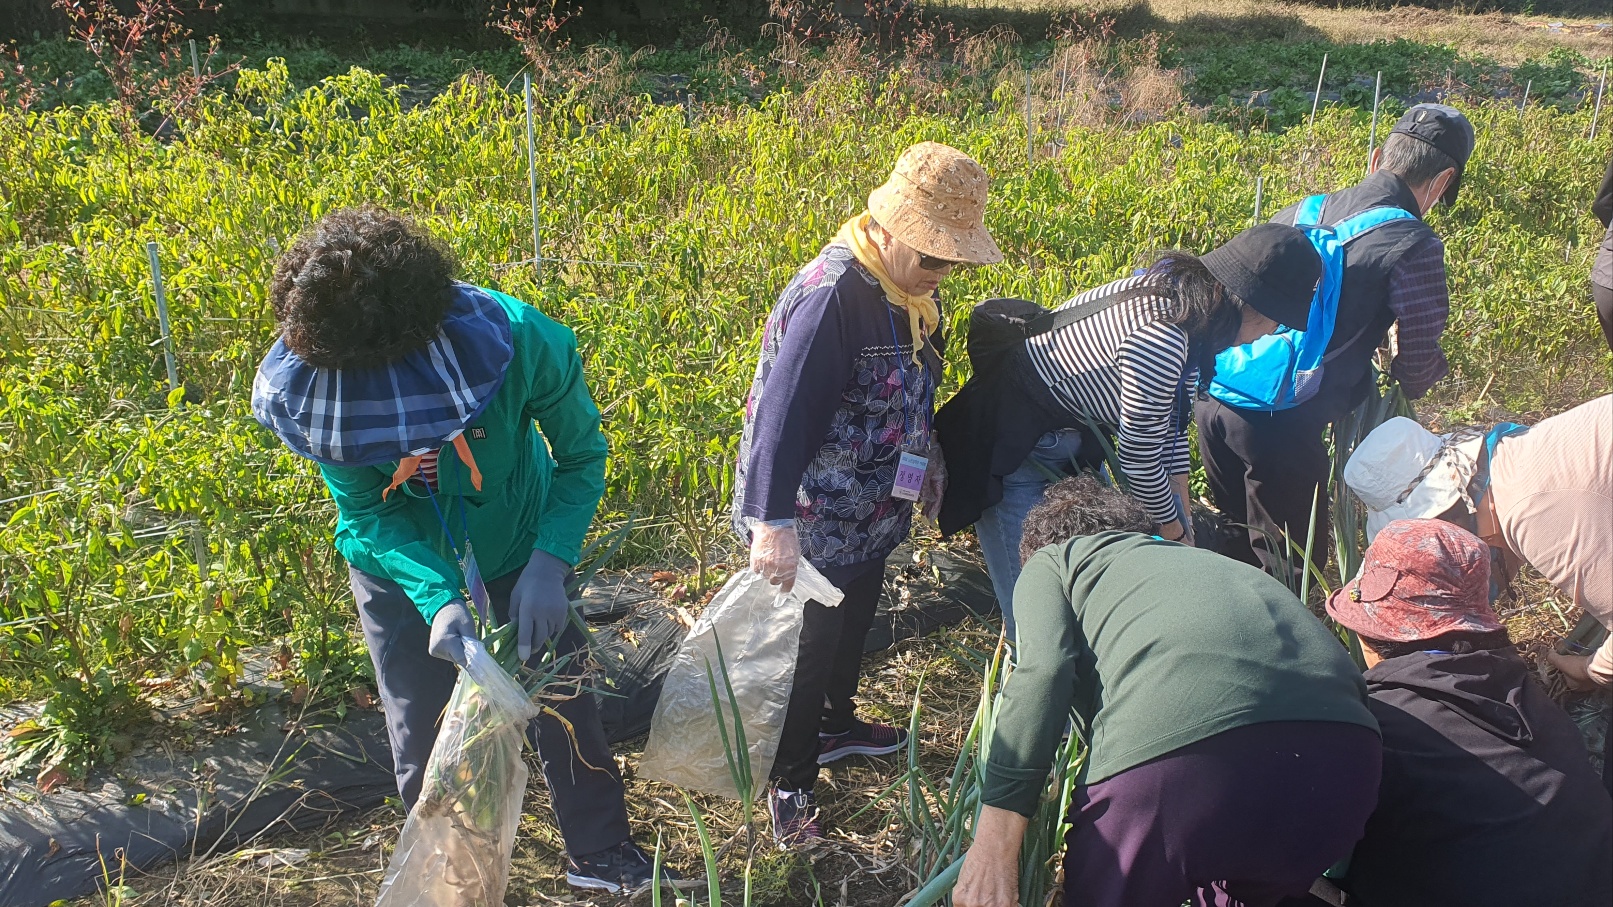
(1604, 310)
(1265, 470)
(827, 668)
(578, 765)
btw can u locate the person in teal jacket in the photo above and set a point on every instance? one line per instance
(455, 431)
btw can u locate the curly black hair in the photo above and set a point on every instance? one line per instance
(1081, 506)
(362, 288)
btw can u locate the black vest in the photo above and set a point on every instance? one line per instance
(1364, 314)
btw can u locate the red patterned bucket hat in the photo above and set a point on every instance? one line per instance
(1421, 579)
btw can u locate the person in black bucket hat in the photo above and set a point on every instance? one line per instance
(1268, 468)
(1272, 269)
(1050, 389)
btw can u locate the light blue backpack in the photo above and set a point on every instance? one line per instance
(1283, 370)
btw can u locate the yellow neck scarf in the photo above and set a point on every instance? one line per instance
(923, 317)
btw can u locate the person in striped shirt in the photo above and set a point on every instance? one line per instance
(1127, 370)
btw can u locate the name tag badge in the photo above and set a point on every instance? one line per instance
(475, 587)
(909, 476)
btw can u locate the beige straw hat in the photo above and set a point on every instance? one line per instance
(935, 202)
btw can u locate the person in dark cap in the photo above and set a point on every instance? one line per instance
(1123, 359)
(1487, 796)
(1267, 467)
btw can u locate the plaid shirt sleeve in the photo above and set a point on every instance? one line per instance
(1421, 301)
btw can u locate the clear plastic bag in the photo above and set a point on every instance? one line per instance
(455, 847)
(759, 630)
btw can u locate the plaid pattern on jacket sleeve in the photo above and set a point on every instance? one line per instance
(1420, 299)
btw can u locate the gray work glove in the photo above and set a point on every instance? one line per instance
(538, 604)
(449, 630)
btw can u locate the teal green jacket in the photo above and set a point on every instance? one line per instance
(534, 495)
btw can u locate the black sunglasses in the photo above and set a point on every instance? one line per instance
(931, 263)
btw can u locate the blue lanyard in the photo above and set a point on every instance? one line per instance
(463, 522)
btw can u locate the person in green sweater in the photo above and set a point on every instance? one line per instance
(1231, 755)
(456, 434)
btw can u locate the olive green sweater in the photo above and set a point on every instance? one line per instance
(1155, 645)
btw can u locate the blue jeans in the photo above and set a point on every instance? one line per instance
(1001, 526)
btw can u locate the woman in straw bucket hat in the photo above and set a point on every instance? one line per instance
(836, 446)
(1541, 496)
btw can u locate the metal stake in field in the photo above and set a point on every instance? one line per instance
(1058, 121)
(1316, 101)
(198, 542)
(1525, 102)
(1596, 112)
(532, 182)
(162, 315)
(1372, 137)
(1260, 195)
(195, 64)
(1030, 126)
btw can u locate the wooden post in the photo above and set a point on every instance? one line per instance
(1372, 137)
(532, 183)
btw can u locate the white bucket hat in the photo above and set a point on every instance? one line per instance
(1402, 471)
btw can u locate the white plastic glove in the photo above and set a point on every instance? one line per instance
(774, 549)
(935, 485)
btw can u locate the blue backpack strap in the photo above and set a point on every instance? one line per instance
(1310, 211)
(1365, 222)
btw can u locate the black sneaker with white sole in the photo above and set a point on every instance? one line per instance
(864, 739)
(623, 869)
(795, 818)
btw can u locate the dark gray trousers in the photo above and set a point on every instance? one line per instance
(415, 686)
(827, 668)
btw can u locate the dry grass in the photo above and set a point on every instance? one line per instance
(862, 863)
(1508, 38)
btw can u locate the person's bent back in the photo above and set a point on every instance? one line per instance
(1488, 796)
(1231, 754)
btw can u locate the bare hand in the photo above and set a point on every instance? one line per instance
(988, 879)
(1574, 668)
(990, 874)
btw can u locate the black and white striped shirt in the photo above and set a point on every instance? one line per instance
(1126, 368)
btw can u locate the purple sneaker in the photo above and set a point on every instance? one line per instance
(864, 739)
(795, 818)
